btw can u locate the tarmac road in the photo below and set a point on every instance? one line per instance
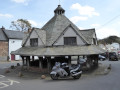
(7, 64)
(110, 81)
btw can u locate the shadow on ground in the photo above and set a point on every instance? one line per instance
(28, 74)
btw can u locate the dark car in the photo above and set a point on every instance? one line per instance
(113, 56)
(102, 58)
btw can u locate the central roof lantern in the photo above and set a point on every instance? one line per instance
(59, 10)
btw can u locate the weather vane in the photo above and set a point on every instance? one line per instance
(59, 2)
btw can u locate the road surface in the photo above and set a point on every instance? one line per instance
(110, 81)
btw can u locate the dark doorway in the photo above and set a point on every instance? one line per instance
(44, 63)
(34, 63)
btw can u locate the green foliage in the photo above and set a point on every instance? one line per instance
(20, 25)
(109, 40)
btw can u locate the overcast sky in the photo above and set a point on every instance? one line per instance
(103, 15)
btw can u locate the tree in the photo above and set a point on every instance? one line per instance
(21, 25)
(109, 40)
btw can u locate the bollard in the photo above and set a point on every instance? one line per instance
(43, 77)
(109, 67)
(7, 71)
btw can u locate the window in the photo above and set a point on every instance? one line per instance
(34, 42)
(12, 41)
(70, 41)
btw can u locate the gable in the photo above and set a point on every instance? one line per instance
(69, 32)
(89, 34)
(32, 35)
(3, 37)
(42, 35)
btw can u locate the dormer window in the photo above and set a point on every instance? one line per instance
(34, 42)
(70, 41)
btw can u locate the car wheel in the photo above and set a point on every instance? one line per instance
(109, 59)
(116, 59)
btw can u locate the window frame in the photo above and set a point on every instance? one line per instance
(33, 42)
(68, 41)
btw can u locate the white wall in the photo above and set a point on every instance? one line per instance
(69, 33)
(14, 44)
(116, 45)
(34, 35)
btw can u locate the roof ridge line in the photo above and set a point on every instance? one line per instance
(53, 18)
(79, 32)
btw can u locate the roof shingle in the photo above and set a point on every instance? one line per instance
(56, 26)
(59, 51)
(88, 34)
(14, 34)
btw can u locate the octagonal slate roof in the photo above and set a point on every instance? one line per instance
(56, 26)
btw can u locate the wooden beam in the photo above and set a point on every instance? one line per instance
(49, 64)
(40, 62)
(33, 59)
(28, 60)
(23, 62)
(78, 59)
(69, 60)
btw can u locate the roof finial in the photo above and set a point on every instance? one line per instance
(59, 10)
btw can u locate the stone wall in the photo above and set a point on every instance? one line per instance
(3, 50)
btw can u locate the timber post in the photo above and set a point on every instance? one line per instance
(78, 59)
(49, 64)
(96, 60)
(33, 59)
(69, 60)
(28, 61)
(40, 62)
(23, 60)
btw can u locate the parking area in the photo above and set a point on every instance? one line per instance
(11, 81)
(4, 82)
(24, 74)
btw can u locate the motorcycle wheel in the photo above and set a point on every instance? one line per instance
(54, 77)
(77, 77)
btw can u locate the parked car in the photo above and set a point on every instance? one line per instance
(102, 58)
(83, 63)
(86, 65)
(113, 56)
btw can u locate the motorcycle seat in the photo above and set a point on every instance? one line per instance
(76, 69)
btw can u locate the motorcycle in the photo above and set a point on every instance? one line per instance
(63, 71)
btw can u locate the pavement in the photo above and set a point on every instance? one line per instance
(7, 64)
(19, 73)
(96, 79)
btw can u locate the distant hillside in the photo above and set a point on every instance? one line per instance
(109, 40)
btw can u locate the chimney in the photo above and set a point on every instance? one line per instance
(29, 30)
(3, 28)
